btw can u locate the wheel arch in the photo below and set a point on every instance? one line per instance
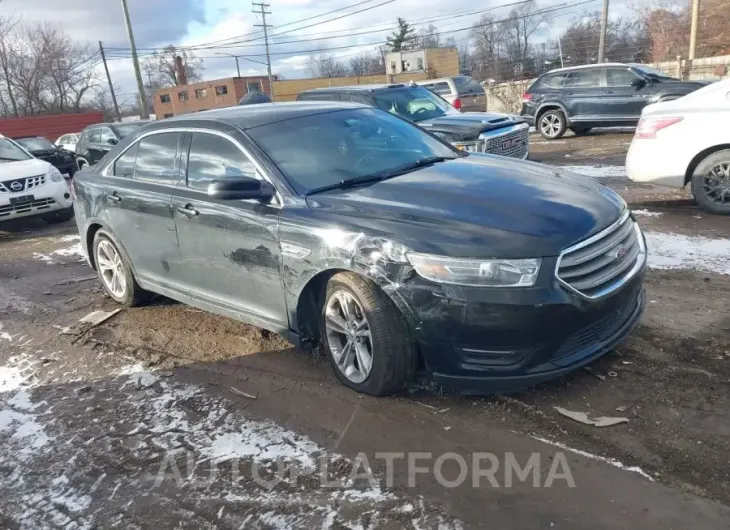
(551, 105)
(699, 157)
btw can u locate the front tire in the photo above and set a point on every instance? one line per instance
(115, 271)
(552, 124)
(711, 183)
(365, 336)
(59, 216)
(81, 163)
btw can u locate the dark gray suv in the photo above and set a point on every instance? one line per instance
(606, 95)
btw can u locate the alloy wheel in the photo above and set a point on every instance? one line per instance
(111, 269)
(550, 125)
(716, 183)
(348, 336)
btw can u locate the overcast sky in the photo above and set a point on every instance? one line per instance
(157, 23)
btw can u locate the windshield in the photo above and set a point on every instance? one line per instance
(128, 128)
(10, 152)
(36, 144)
(414, 103)
(650, 71)
(325, 149)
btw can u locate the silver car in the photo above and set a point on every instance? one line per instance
(463, 92)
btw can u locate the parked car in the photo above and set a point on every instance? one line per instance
(96, 140)
(68, 141)
(462, 92)
(31, 187)
(597, 95)
(39, 147)
(687, 142)
(482, 132)
(345, 226)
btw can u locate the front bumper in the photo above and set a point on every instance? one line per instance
(48, 197)
(500, 340)
(512, 141)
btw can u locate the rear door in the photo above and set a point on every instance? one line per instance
(230, 249)
(583, 95)
(471, 93)
(138, 202)
(622, 100)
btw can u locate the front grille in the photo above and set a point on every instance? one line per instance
(600, 331)
(25, 207)
(18, 185)
(513, 144)
(602, 263)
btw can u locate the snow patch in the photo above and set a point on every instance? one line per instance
(70, 251)
(596, 171)
(675, 251)
(646, 213)
(20, 431)
(610, 461)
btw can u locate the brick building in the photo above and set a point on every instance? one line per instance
(184, 99)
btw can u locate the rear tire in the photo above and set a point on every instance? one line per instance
(109, 253)
(392, 355)
(59, 216)
(552, 124)
(81, 163)
(711, 183)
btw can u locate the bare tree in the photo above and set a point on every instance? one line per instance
(161, 71)
(429, 37)
(524, 20)
(359, 65)
(7, 25)
(323, 64)
(489, 42)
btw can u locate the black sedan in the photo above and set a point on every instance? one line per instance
(345, 227)
(39, 147)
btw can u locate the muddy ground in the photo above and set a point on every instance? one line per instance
(89, 416)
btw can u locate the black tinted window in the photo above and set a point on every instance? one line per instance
(471, 86)
(213, 157)
(156, 158)
(584, 79)
(124, 166)
(619, 77)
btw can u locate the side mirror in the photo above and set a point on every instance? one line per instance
(111, 141)
(236, 188)
(638, 82)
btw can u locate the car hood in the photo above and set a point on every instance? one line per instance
(477, 206)
(469, 125)
(23, 168)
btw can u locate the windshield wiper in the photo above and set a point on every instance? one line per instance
(365, 179)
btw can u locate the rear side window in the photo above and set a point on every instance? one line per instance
(315, 96)
(441, 88)
(212, 158)
(584, 79)
(124, 166)
(156, 158)
(554, 80)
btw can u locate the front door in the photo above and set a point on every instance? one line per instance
(230, 248)
(623, 100)
(138, 204)
(583, 95)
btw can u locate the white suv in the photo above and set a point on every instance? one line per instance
(30, 187)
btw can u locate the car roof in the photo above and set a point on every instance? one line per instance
(586, 66)
(112, 124)
(249, 116)
(355, 88)
(29, 136)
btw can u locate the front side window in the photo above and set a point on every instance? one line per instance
(619, 77)
(584, 79)
(124, 166)
(94, 136)
(10, 152)
(414, 104)
(128, 128)
(156, 158)
(107, 136)
(213, 158)
(324, 149)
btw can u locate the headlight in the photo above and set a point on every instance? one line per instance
(476, 146)
(482, 273)
(55, 174)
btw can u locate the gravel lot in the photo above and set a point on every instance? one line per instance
(159, 416)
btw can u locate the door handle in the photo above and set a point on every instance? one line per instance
(188, 211)
(609, 91)
(113, 197)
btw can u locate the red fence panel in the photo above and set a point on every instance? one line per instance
(50, 127)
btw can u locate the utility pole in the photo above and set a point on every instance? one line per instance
(238, 68)
(135, 62)
(109, 79)
(604, 25)
(560, 49)
(263, 12)
(693, 35)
